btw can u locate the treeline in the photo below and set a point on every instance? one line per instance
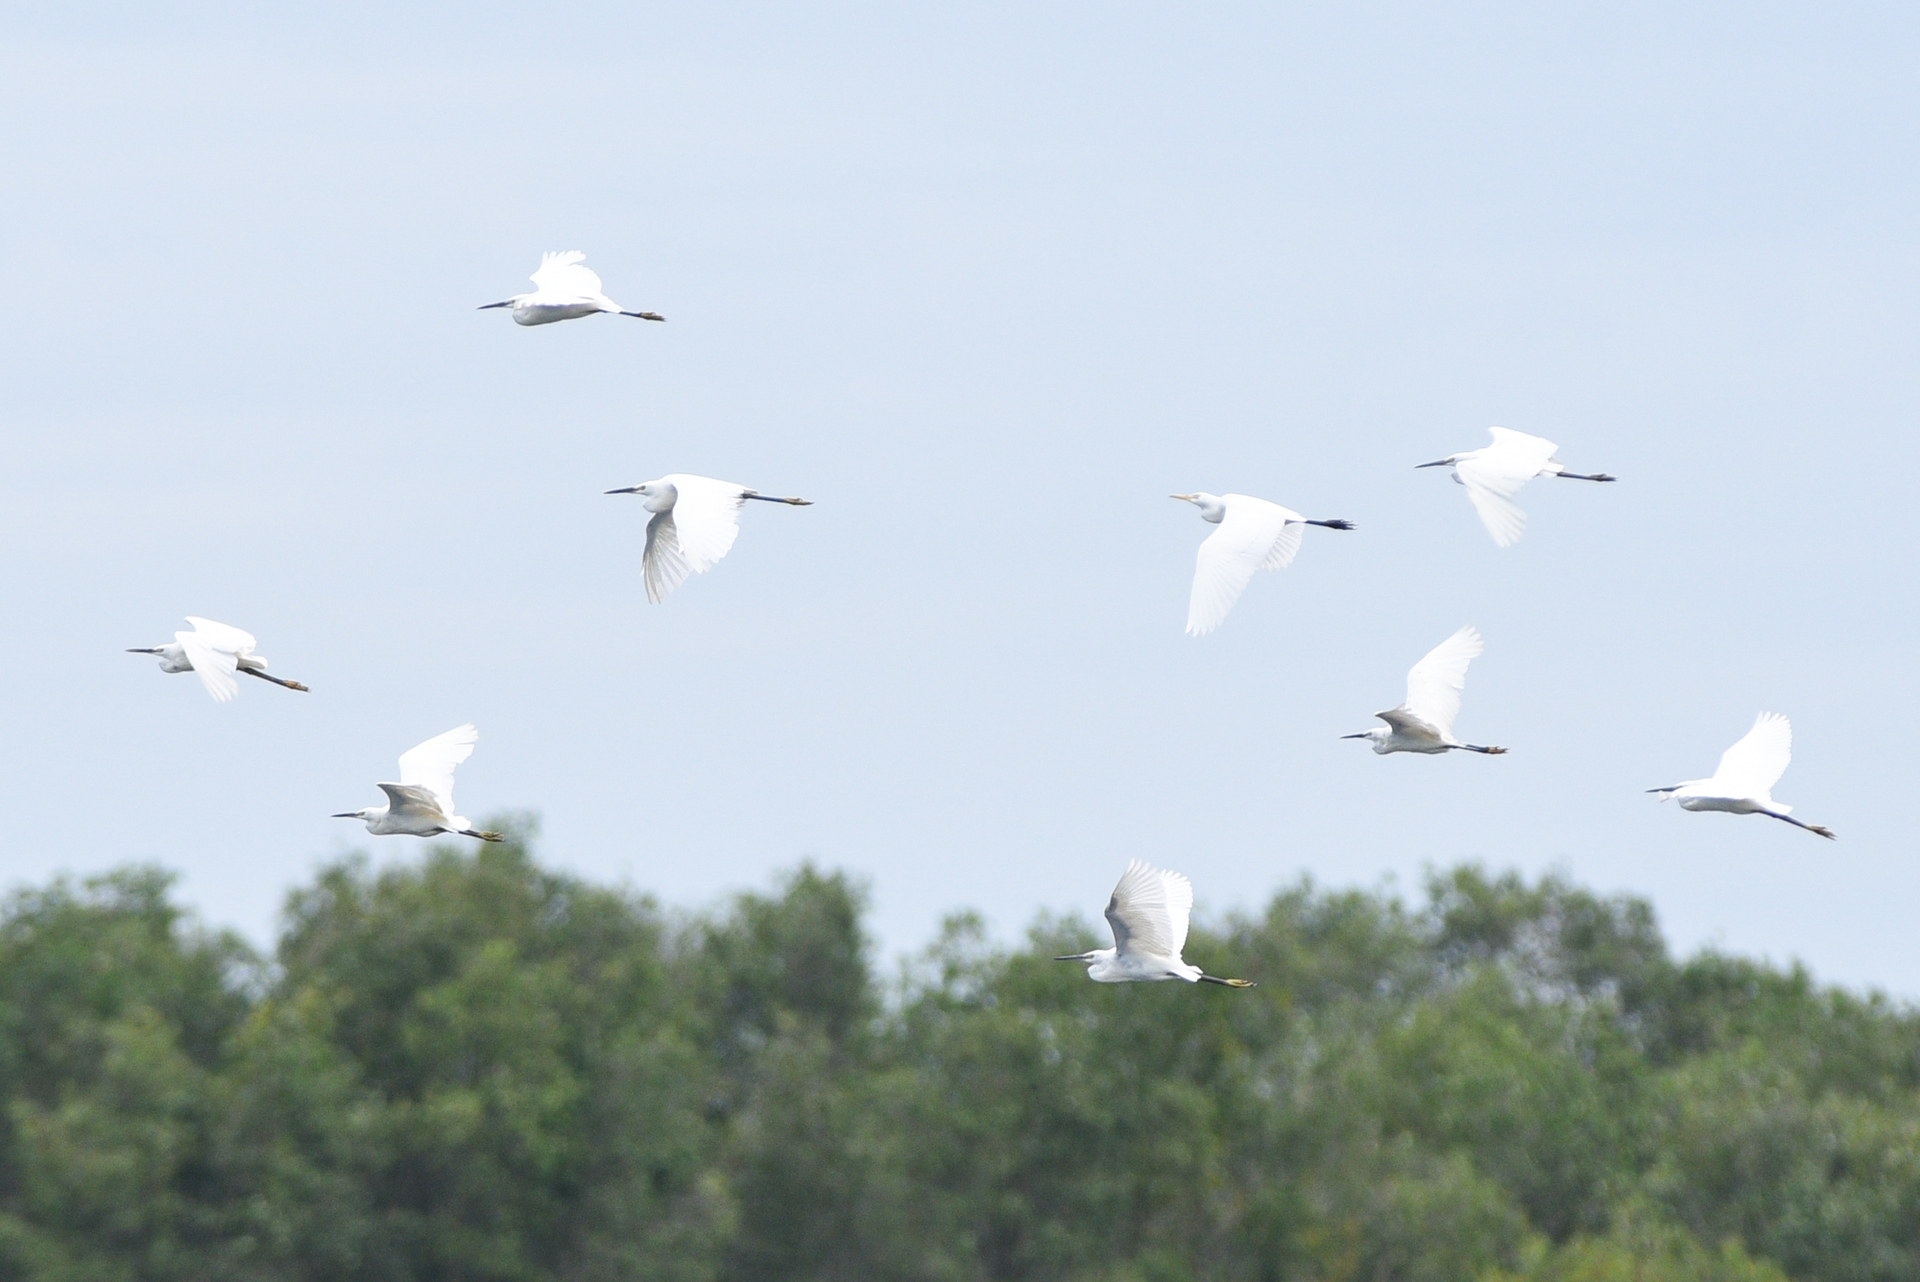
(475, 1068)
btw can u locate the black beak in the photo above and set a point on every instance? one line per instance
(1439, 462)
(484, 306)
(631, 489)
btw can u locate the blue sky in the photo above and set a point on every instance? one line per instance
(987, 282)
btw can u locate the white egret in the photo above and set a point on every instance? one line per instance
(1744, 780)
(1148, 913)
(1253, 535)
(566, 290)
(1424, 723)
(215, 651)
(695, 521)
(1494, 474)
(421, 804)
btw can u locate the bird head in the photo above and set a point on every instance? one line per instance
(352, 814)
(1211, 508)
(1092, 960)
(655, 496)
(1375, 736)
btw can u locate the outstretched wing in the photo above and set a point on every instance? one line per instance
(1149, 911)
(1408, 726)
(222, 636)
(1751, 767)
(1434, 684)
(1494, 475)
(411, 799)
(430, 765)
(662, 565)
(213, 656)
(706, 518)
(562, 274)
(1252, 534)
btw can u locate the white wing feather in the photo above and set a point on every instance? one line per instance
(223, 636)
(1494, 475)
(1254, 534)
(1149, 911)
(561, 275)
(214, 667)
(1751, 767)
(413, 800)
(1434, 684)
(430, 765)
(662, 565)
(706, 518)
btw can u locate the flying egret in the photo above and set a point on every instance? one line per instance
(1148, 913)
(1424, 723)
(1494, 474)
(1744, 780)
(695, 521)
(566, 291)
(421, 804)
(1253, 535)
(216, 652)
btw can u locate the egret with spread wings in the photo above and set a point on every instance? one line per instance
(1424, 723)
(695, 521)
(1253, 535)
(565, 289)
(1148, 913)
(215, 652)
(421, 804)
(1495, 473)
(1743, 783)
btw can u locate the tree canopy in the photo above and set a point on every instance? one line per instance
(474, 1068)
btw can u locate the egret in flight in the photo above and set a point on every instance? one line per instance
(1493, 475)
(1746, 775)
(214, 651)
(1148, 913)
(1253, 535)
(695, 521)
(421, 804)
(566, 290)
(1424, 723)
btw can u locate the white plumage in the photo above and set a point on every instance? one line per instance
(564, 289)
(695, 521)
(1495, 473)
(214, 652)
(1743, 782)
(1148, 913)
(1253, 534)
(1424, 723)
(421, 804)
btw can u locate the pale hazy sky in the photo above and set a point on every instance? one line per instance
(987, 282)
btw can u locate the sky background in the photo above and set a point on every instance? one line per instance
(987, 282)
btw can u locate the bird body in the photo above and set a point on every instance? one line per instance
(421, 804)
(695, 521)
(1424, 723)
(1494, 473)
(1148, 912)
(565, 290)
(1253, 534)
(1743, 782)
(215, 651)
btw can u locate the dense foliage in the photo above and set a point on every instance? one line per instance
(473, 1068)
